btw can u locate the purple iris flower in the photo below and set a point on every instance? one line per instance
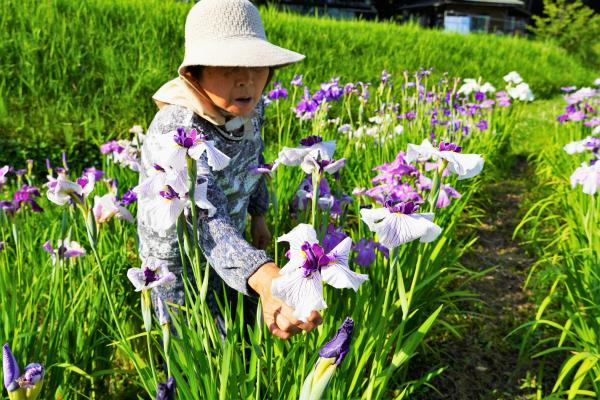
(349, 88)
(482, 125)
(479, 96)
(307, 106)
(562, 117)
(410, 115)
(296, 81)
(568, 88)
(333, 237)
(365, 252)
(98, 173)
(8, 207)
(278, 92)
(593, 144)
(128, 197)
(592, 122)
(26, 195)
(339, 346)
(331, 90)
(166, 390)
(111, 147)
(577, 116)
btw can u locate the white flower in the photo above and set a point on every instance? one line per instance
(107, 206)
(313, 146)
(597, 82)
(472, 85)
(310, 165)
(578, 146)
(159, 177)
(301, 282)
(175, 145)
(163, 210)
(580, 95)
(513, 77)
(398, 129)
(396, 228)
(464, 165)
(152, 274)
(61, 189)
(521, 92)
(588, 176)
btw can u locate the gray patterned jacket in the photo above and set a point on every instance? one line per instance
(233, 191)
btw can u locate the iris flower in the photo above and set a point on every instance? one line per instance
(331, 356)
(312, 146)
(398, 223)
(587, 176)
(107, 207)
(578, 146)
(65, 248)
(193, 143)
(26, 386)
(464, 165)
(301, 282)
(61, 190)
(164, 209)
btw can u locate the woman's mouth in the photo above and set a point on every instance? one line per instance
(243, 100)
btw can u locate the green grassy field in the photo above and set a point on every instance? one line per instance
(75, 74)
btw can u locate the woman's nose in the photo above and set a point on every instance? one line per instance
(244, 77)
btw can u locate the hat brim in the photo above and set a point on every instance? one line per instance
(239, 52)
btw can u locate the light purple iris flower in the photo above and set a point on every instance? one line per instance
(464, 165)
(296, 81)
(578, 146)
(153, 273)
(65, 249)
(588, 176)
(193, 143)
(365, 252)
(398, 223)
(300, 284)
(595, 121)
(304, 194)
(159, 177)
(61, 190)
(385, 77)
(106, 207)
(3, 171)
(312, 146)
(111, 147)
(98, 173)
(311, 165)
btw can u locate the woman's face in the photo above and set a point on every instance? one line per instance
(234, 89)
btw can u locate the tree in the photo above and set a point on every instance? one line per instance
(571, 25)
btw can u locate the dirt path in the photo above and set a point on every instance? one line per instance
(483, 364)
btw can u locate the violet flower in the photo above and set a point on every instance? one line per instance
(365, 252)
(26, 195)
(331, 356)
(588, 176)
(398, 223)
(333, 237)
(65, 249)
(111, 147)
(300, 284)
(129, 197)
(27, 386)
(278, 92)
(296, 81)
(106, 207)
(166, 390)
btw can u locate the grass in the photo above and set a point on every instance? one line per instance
(75, 74)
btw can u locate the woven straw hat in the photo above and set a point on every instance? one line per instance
(230, 33)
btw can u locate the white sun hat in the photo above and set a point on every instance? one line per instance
(230, 33)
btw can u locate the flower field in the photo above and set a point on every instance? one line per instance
(372, 167)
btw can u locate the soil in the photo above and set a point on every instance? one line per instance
(484, 363)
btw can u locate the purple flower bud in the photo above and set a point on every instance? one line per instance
(447, 146)
(48, 165)
(339, 346)
(166, 390)
(385, 76)
(20, 172)
(10, 369)
(64, 161)
(278, 92)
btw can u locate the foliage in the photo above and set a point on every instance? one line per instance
(571, 25)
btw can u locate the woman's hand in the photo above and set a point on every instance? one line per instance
(277, 315)
(261, 236)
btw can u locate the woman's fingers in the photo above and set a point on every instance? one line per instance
(313, 320)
